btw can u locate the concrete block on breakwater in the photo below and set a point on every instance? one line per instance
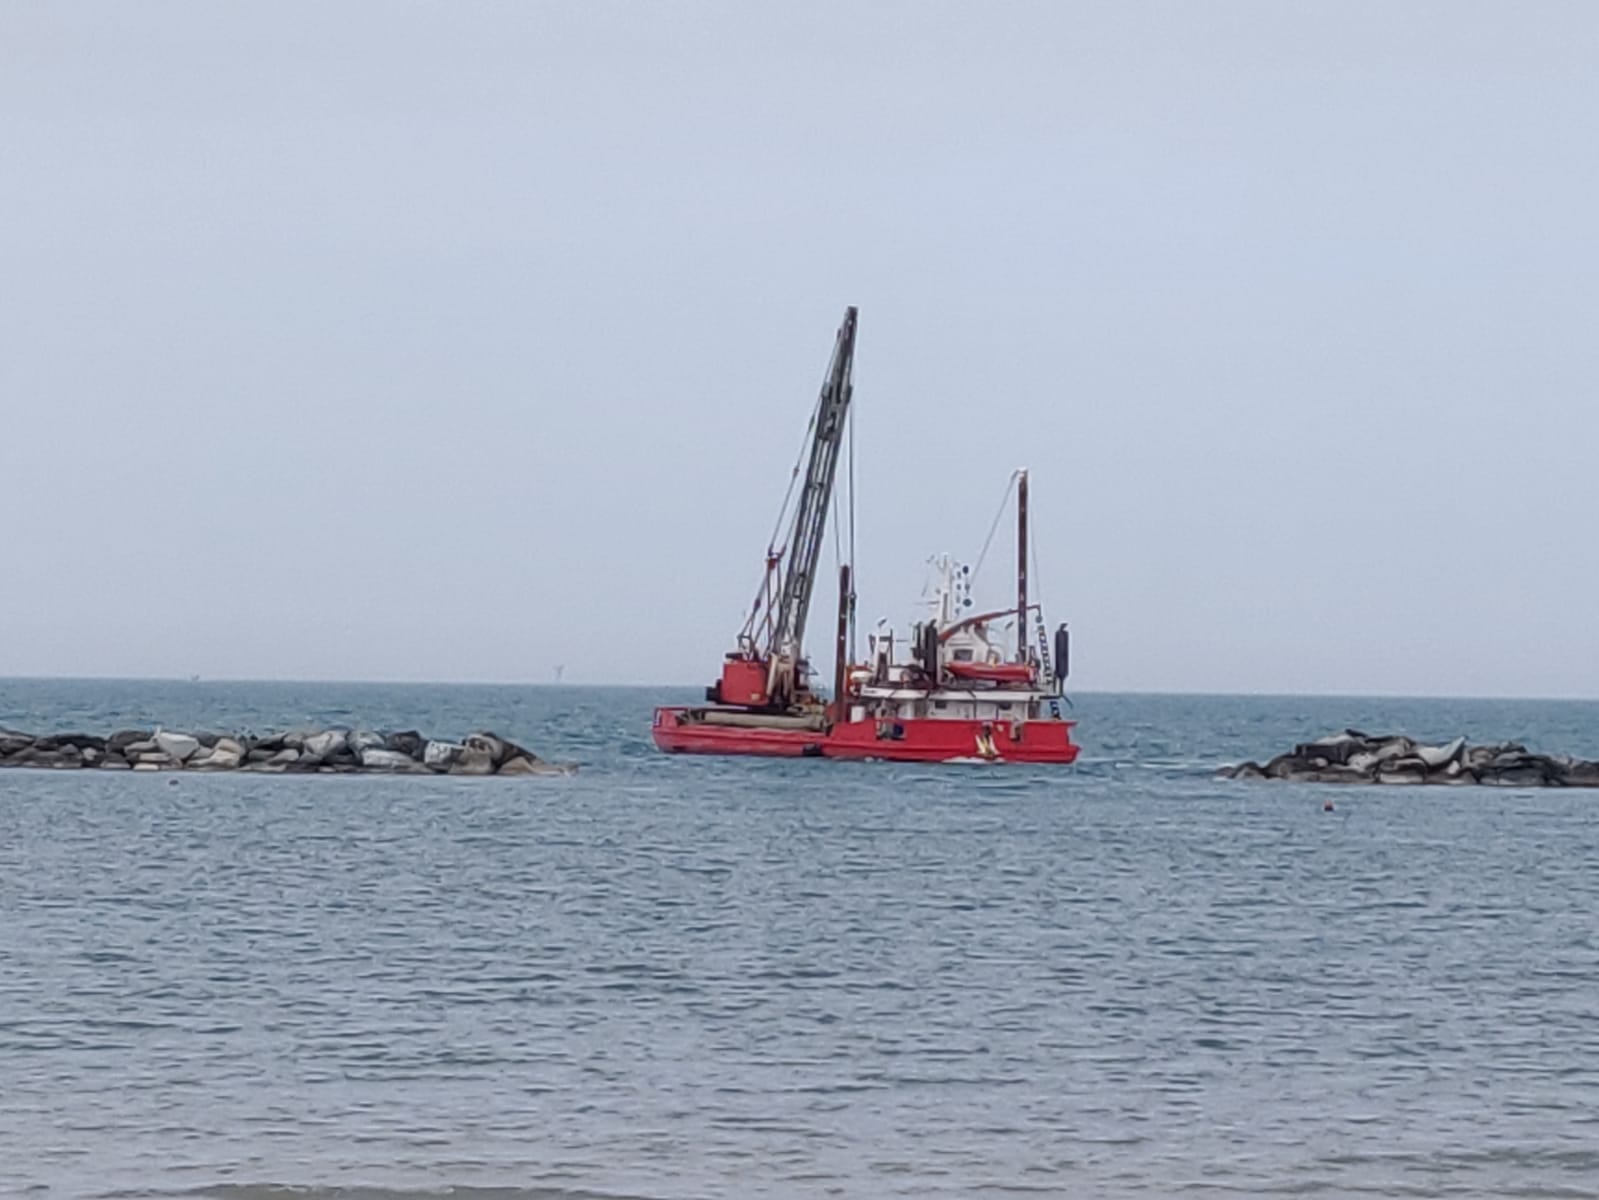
(1355, 757)
(324, 752)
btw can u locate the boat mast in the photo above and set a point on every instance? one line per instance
(1021, 565)
(846, 610)
(784, 649)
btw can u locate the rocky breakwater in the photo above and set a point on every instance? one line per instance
(1355, 757)
(325, 752)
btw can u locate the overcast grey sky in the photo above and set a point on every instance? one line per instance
(457, 341)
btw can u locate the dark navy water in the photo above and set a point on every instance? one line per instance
(671, 978)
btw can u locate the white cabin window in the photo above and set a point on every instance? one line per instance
(963, 656)
(941, 705)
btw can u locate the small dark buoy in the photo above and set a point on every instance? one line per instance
(1326, 806)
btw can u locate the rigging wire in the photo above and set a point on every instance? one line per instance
(793, 478)
(763, 594)
(1043, 628)
(994, 528)
(852, 655)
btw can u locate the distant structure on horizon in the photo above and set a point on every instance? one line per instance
(559, 671)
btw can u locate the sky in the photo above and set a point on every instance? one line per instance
(465, 341)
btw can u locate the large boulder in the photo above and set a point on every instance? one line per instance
(319, 747)
(1438, 756)
(1389, 749)
(12, 742)
(364, 739)
(179, 747)
(1285, 766)
(76, 741)
(409, 743)
(1514, 768)
(500, 749)
(119, 741)
(1335, 750)
(226, 755)
(476, 758)
(376, 758)
(441, 755)
(1582, 774)
(491, 744)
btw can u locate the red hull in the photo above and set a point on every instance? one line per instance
(925, 740)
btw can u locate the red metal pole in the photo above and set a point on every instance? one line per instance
(1021, 567)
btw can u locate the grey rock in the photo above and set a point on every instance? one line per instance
(323, 746)
(226, 755)
(1582, 774)
(1284, 766)
(475, 759)
(177, 746)
(490, 744)
(409, 743)
(119, 741)
(75, 741)
(376, 758)
(1389, 749)
(441, 755)
(1437, 756)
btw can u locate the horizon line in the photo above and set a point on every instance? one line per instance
(552, 685)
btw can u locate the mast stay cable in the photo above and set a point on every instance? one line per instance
(994, 528)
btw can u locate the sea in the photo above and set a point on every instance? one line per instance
(668, 978)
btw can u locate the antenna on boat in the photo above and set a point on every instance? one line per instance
(1021, 565)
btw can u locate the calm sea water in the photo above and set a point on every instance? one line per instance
(671, 978)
